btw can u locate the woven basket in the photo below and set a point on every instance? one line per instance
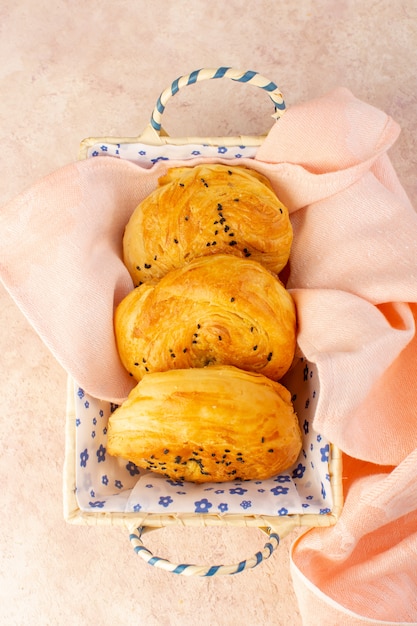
(157, 144)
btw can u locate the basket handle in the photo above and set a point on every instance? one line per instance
(249, 77)
(201, 570)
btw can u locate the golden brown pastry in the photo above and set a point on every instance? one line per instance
(211, 424)
(203, 210)
(215, 310)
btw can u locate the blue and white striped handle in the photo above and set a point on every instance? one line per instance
(201, 570)
(249, 77)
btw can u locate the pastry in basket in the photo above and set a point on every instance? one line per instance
(204, 210)
(215, 310)
(211, 424)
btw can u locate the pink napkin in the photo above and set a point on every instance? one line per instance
(353, 278)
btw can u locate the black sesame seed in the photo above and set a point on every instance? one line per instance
(214, 243)
(138, 267)
(166, 451)
(148, 266)
(251, 329)
(130, 374)
(219, 207)
(181, 184)
(172, 355)
(231, 234)
(198, 325)
(136, 364)
(232, 299)
(175, 240)
(155, 257)
(233, 243)
(262, 439)
(226, 450)
(208, 244)
(226, 228)
(194, 341)
(255, 347)
(185, 350)
(216, 232)
(280, 210)
(269, 357)
(235, 199)
(238, 453)
(186, 218)
(229, 172)
(146, 369)
(143, 360)
(222, 221)
(213, 454)
(220, 337)
(271, 450)
(177, 460)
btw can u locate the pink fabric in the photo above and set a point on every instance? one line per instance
(353, 278)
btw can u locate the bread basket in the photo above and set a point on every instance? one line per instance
(112, 492)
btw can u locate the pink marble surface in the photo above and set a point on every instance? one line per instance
(74, 69)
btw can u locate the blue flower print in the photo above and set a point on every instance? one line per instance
(142, 152)
(137, 508)
(246, 504)
(279, 490)
(182, 493)
(282, 478)
(309, 497)
(80, 393)
(160, 158)
(328, 477)
(95, 153)
(132, 468)
(165, 501)
(195, 152)
(149, 486)
(237, 491)
(219, 491)
(84, 458)
(77, 421)
(305, 505)
(105, 480)
(202, 506)
(323, 491)
(261, 490)
(86, 404)
(222, 150)
(299, 471)
(324, 511)
(93, 434)
(319, 438)
(99, 504)
(92, 494)
(94, 421)
(305, 427)
(101, 413)
(238, 156)
(325, 453)
(223, 507)
(104, 148)
(105, 430)
(175, 483)
(118, 484)
(101, 454)
(283, 511)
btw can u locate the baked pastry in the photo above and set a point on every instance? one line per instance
(215, 310)
(203, 210)
(211, 424)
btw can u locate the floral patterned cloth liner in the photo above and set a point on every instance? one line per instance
(113, 485)
(146, 155)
